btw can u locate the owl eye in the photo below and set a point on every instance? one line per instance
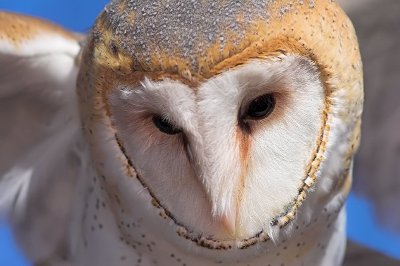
(164, 126)
(261, 107)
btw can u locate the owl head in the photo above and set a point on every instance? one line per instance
(222, 122)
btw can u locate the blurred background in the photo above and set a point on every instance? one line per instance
(374, 204)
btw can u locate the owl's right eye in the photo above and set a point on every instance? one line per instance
(165, 126)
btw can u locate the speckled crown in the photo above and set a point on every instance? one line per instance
(176, 35)
(201, 38)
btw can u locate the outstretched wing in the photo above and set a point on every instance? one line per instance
(41, 149)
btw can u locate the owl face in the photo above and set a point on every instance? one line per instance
(221, 137)
(226, 157)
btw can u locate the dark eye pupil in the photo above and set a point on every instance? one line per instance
(261, 107)
(164, 126)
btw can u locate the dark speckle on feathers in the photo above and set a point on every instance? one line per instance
(184, 29)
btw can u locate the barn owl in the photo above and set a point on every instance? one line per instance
(197, 133)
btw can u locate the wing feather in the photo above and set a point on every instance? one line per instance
(42, 151)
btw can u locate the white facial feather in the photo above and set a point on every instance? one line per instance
(284, 146)
(216, 180)
(160, 158)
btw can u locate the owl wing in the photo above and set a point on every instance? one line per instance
(377, 168)
(42, 152)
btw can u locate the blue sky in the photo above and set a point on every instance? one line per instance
(79, 15)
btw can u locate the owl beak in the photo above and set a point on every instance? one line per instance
(228, 221)
(220, 169)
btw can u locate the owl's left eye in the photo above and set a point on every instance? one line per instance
(261, 107)
(165, 126)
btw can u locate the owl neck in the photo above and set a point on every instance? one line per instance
(105, 233)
